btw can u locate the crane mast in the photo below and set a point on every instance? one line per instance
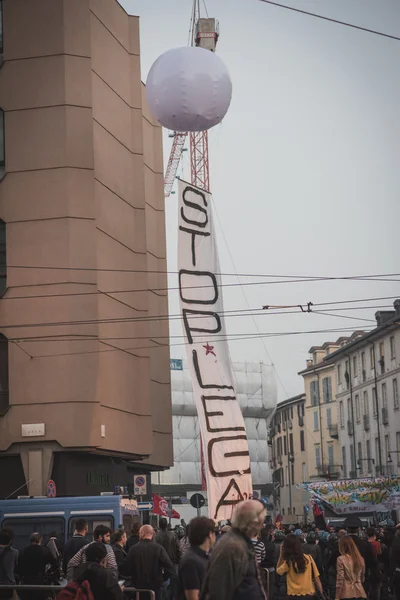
(205, 36)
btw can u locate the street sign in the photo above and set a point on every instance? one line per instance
(197, 501)
(145, 505)
(176, 364)
(51, 489)
(140, 485)
(256, 495)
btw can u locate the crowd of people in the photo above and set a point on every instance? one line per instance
(244, 559)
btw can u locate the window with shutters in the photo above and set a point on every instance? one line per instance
(3, 258)
(327, 389)
(4, 393)
(339, 374)
(302, 442)
(291, 443)
(384, 396)
(366, 403)
(341, 413)
(329, 417)
(355, 366)
(395, 395)
(316, 424)
(360, 457)
(374, 402)
(331, 460)
(344, 461)
(285, 446)
(358, 411)
(392, 348)
(318, 456)
(314, 393)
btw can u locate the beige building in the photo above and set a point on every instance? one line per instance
(288, 459)
(84, 373)
(321, 418)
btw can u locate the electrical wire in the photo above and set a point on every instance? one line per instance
(311, 14)
(204, 341)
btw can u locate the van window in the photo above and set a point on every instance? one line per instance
(93, 522)
(127, 522)
(23, 527)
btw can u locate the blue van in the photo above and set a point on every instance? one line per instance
(59, 515)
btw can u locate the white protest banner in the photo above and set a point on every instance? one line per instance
(223, 433)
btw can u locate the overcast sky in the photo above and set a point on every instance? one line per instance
(305, 167)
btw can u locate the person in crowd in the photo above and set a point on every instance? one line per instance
(169, 541)
(330, 557)
(134, 537)
(193, 565)
(350, 571)
(259, 549)
(184, 543)
(342, 533)
(233, 572)
(268, 564)
(93, 574)
(74, 544)
(372, 574)
(371, 538)
(101, 534)
(395, 564)
(148, 563)
(8, 562)
(35, 562)
(302, 575)
(312, 548)
(280, 589)
(118, 543)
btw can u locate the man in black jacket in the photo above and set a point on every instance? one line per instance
(33, 564)
(148, 563)
(75, 543)
(103, 584)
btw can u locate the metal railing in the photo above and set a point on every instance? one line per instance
(58, 588)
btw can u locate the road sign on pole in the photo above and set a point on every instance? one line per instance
(140, 485)
(197, 501)
(51, 489)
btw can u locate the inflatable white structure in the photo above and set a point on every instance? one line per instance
(256, 392)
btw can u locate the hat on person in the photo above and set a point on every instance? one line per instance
(298, 532)
(353, 522)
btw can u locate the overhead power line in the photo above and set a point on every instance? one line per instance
(311, 14)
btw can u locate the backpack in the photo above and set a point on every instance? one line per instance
(76, 591)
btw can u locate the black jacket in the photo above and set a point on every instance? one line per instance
(120, 556)
(169, 541)
(145, 563)
(32, 563)
(71, 548)
(103, 584)
(134, 539)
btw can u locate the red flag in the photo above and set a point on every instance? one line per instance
(161, 508)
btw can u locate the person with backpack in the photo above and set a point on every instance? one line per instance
(93, 581)
(8, 562)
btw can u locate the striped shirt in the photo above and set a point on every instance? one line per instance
(259, 550)
(80, 557)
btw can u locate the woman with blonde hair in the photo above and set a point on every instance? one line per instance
(350, 571)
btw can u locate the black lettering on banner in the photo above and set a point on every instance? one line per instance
(206, 386)
(210, 447)
(225, 500)
(195, 206)
(206, 313)
(193, 233)
(218, 413)
(198, 274)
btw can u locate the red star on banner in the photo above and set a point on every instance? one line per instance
(209, 350)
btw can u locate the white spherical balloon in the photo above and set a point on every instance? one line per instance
(189, 89)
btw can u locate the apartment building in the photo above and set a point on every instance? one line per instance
(367, 373)
(288, 459)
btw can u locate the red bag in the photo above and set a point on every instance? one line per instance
(76, 591)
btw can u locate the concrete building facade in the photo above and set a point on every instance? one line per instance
(84, 368)
(287, 438)
(367, 371)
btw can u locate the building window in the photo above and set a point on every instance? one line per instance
(384, 396)
(2, 145)
(316, 425)
(358, 411)
(339, 374)
(3, 258)
(291, 443)
(374, 402)
(285, 446)
(341, 415)
(355, 369)
(349, 415)
(344, 461)
(366, 403)
(347, 374)
(304, 469)
(329, 417)
(395, 394)
(353, 472)
(292, 470)
(327, 389)
(371, 358)
(4, 394)
(368, 451)
(392, 348)
(330, 455)
(363, 362)
(318, 456)
(398, 447)
(377, 452)
(302, 444)
(314, 393)
(387, 447)
(287, 475)
(359, 457)
(382, 357)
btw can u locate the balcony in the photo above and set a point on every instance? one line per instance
(366, 422)
(385, 416)
(329, 471)
(384, 470)
(333, 431)
(350, 429)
